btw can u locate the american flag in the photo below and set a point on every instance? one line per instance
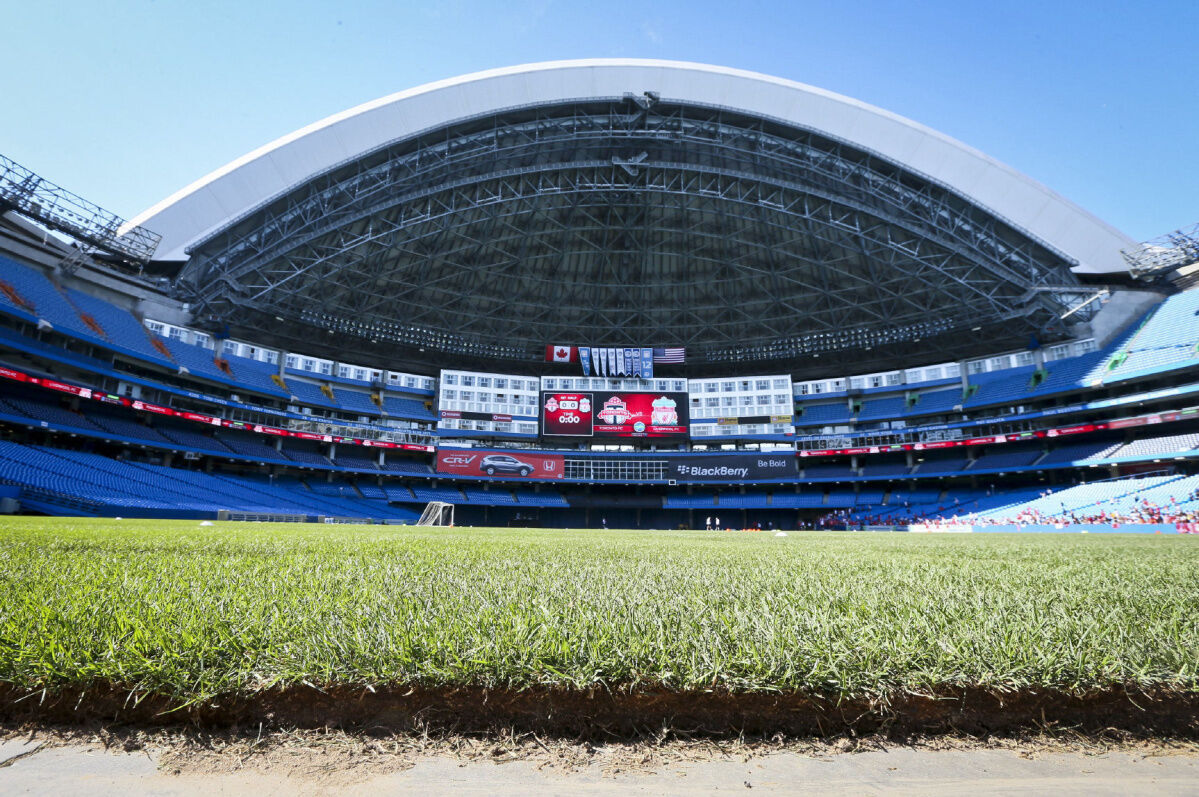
(669, 356)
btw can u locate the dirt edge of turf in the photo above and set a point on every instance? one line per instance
(632, 714)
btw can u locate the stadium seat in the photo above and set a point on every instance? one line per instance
(355, 401)
(112, 486)
(999, 387)
(882, 408)
(936, 402)
(824, 414)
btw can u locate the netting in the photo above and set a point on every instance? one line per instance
(437, 513)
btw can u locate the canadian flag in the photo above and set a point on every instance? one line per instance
(561, 354)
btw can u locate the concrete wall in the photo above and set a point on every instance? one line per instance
(1123, 308)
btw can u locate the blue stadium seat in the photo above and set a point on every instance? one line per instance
(869, 498)
(369, 490)
(495, 497)
(112, 486)
(398, 464)
(1069, 373)
(1149, 447)
(998, 387)
(449, 494)
(953, 461)
(543, 498)
(743, 500)
(356, 401)
(48, 411)
(695, 501)
(1077, 452)
(49, 303)
(305, 452)
(1169, 338)
(119, 326)
(825, 414)
(249, 445)
(406, 408)
(840, 499)
(398, 492)
(309, 393)
(817, 471)
(876, 469)
(785, 500)
(1008, 456)
(355, 458)
(125, 425)
(936, 402)
(882, 408)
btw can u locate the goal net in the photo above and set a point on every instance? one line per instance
(437, 513)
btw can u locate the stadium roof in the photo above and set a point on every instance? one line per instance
(630, 202)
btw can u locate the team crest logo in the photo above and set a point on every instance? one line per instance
(615, 411)
(665, 412)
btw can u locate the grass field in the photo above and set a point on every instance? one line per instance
(174, 608)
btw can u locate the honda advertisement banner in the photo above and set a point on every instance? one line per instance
(515, 464)
(732, 467)
(604, 413)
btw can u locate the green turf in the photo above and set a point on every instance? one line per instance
(190, 611)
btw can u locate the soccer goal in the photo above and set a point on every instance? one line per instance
(437, 513)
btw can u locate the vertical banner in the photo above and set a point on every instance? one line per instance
(647, 363)
(601, 362)
(620, 364)
(585, 359)
(633, 358)
(612, 362)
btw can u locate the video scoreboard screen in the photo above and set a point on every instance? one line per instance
(604, 413)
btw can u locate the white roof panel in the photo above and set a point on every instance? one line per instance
(214, 200)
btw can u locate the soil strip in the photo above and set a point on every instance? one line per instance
(614, 715)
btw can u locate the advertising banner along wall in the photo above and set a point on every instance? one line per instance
(732, 467)
(517, 464)
(158, 409)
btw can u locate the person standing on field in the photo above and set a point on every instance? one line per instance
(718, 524)
(709, 522)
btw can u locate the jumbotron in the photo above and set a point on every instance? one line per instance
(604, 293)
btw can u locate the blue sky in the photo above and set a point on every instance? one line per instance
(128, 101)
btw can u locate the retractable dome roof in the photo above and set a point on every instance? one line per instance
(752, 219)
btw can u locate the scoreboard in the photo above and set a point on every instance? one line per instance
(605, 413)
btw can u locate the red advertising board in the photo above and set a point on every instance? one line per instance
(1069, 430)
(82, 392)
(516, 464)
(195, 416)
(9, 373)
(145, 406)
(641, 414)
(148, 407)
(324, 438)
